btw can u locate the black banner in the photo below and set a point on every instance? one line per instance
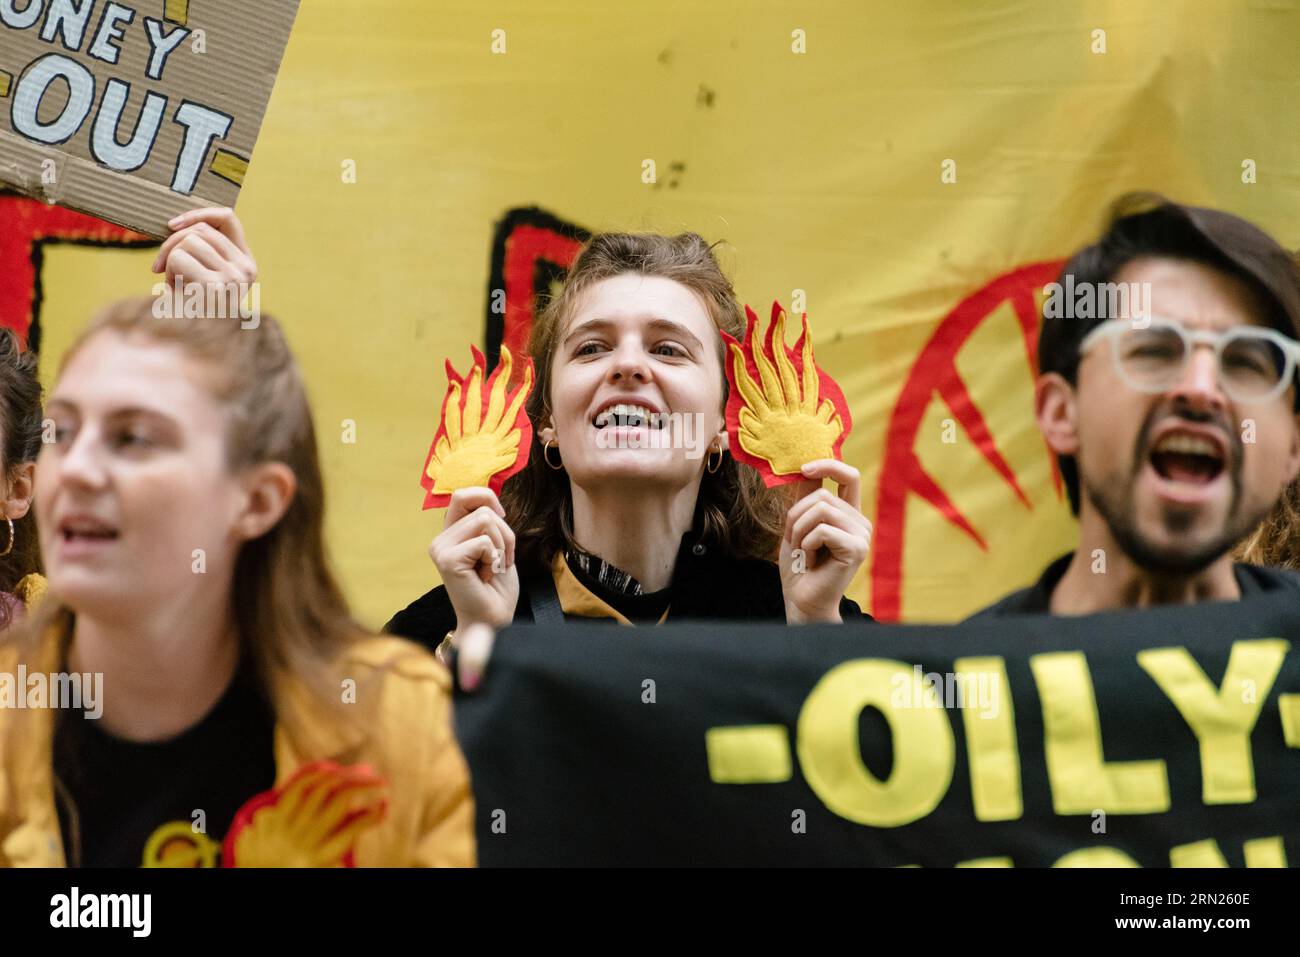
(1160, 738)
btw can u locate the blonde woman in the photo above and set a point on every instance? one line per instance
(244, 717)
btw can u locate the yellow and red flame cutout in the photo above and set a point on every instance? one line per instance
(782, 411)
(313, 820)
(484, 433)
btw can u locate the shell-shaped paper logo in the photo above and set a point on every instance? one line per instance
(484, 434)
(782, 411)
(313, 820)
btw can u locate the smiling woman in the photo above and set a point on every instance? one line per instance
(630, 507)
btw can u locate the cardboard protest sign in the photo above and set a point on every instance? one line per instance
(1155, 739)
(135, 110)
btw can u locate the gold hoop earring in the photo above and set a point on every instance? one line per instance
(10, 547)
(546, 455)
(714, 468)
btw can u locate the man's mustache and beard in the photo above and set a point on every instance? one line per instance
(1115, 502)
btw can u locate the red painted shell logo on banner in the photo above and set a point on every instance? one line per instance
(934, 372)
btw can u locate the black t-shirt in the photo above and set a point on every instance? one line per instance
(127, 804)
(1037, 598)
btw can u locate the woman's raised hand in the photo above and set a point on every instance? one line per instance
(206, 246)
(475, 554)
(826, 540)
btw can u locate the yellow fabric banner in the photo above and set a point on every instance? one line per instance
(911, 172)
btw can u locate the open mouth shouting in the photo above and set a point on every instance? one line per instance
(1188, 462)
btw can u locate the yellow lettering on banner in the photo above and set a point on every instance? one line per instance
(987, 862)
(1096, 857)
(1201, 854)
(991, 742)
(1265, 852)
(1288, 707)
(830, 753)
(1082, 780)
(1260, 852)
(1222, 718)
(752, 754)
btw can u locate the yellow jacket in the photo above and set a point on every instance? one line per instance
(430, 816)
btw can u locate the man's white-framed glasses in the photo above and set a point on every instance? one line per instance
(1254, 364)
